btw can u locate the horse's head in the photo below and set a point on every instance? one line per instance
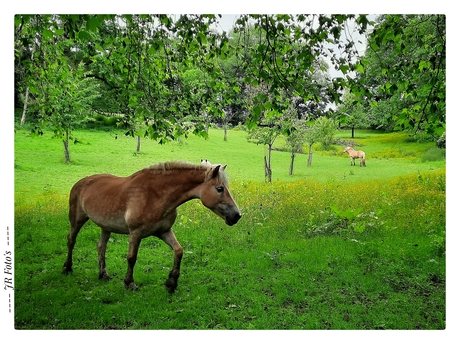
(346, 149)
(215, 195)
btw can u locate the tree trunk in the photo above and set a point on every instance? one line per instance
(24, 111)
(225, 132)
(310, 155)
(270, 155)
(66, 148)
(291, 167)
(270, 162)
(138, 148)
(268, 170)
(353, 132)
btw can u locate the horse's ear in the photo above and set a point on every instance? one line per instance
(224, 167)
(215, 171)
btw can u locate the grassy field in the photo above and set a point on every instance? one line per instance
(332, 247)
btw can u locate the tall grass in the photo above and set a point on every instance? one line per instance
(361, 250)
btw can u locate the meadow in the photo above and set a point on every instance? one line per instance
(332, 247)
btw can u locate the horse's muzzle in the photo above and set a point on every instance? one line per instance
(232, 220)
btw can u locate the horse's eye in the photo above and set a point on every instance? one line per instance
(220, 189)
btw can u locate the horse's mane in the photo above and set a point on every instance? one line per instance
(174, 165)
(185, 165)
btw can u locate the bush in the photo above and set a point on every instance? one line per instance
(420, 137)
(441, 142)
(99, 121)
(434, 154)
(325, 128)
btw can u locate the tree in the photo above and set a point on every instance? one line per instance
(311, 137)
(266, 134)
(325, 128)
(139, 61)
(295, 139)
(403, 73)
(61, 91)
(322, 130)
(352, 113)
(67, 102)
(288, 51)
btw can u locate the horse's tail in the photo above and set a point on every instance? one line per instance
(363, 159)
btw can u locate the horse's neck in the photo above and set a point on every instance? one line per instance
(176, 186)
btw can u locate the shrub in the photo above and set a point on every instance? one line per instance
(434, 154)
(420, 137)
(441, 142)
(99, 121)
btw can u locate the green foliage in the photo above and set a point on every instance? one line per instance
(66, 101)
(163, 74)
(420, 137)
(351, 112)
(434, 154)
(102, 122)
(141, 63)
(405, 72)
(347, 216)
(441, 142)
(325, 129)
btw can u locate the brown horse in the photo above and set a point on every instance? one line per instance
(144, 204)
(356, 155)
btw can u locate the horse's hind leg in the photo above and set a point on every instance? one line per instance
(170, 239)
(101, 249)
(77, 219)
(134, 242)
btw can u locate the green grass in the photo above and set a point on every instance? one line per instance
(332, 247)
(105, 152)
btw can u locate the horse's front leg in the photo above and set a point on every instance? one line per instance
(170, 239)
(134, 242)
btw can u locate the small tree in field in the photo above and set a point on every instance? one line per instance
(266, 134)
(295, 141)
(322, 130)
(311, 137)
(325, 129)
(295, 131)
(64, 101)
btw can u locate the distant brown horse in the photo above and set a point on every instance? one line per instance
(356, 155)
(144, 204)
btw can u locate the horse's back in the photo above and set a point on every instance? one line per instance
(95, 184)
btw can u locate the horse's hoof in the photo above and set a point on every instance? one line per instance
(66, 270)
(105, 276)
(131, 286)
(171, 285)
